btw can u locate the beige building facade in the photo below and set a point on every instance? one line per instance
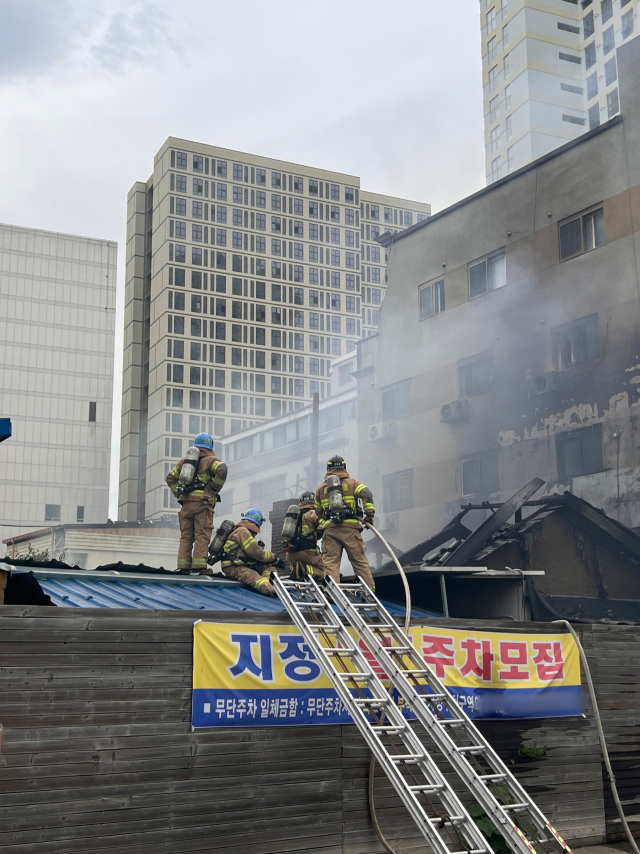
(522, 305)
(549, 74)
(246, 277)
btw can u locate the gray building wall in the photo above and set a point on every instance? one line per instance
(57, 321)
(419, 472)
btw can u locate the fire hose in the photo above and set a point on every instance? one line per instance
(592, 693)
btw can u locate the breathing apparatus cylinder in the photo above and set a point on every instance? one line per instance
(189, 467)
(217, 543)
(334, 494)
(290, 526)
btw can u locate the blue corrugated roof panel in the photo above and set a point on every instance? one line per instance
(75, 592)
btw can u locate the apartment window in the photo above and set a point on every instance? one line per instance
(475, 375)
(594, 116)
(592, 85)
(180, 230)
(181, 183)
(509, 126)
(608, 40)
(350, 304)
(507, 97)
(52, 512)
(261, 222)
(495, 138)
(79, 514)
(261, 267)
(276, 225)
(579, 452)
(350, 282)
(610, 71)
(480, 474)
(261, 244)
(431, 299)
(492, 50)
(298, 341)
(336, 325)
(181, 207)
(198, 186)
(588, 25)
(298, 388)
(335, 257)
(348, 195)
(313, 213)
(375, 212)
(298, 273)
(574, 120)
(627, 24)
(576, 90)
(276, 202)
(589, 55)
(196, 351)
(314, 343)
(494, 108)
(276, 247)
(196, 256)
(237, 172)
(276, 269)
(222, 213)
(335, 235)
(569, 57)
(506, 65)
(313, 187)
(581, 234)
(261, 177)
(237, 197)
(396, 401)
(350, 330)
(181, 159)
(222, 168)
(180, 253)
(397, 491)
(613, 103)
(314, 366)
(606, 10)
(575, 343)
(298, 364)
(298, 184)
(276, 180)
(298, 319)
(92, 410)
(276, 315)
(493, 78)
(495, 168)
(568, 28)
(196, 233)
(261, 199)
(492, 21)
(335, 302)
(488, 274)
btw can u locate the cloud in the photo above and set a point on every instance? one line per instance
(34, 35)
(133, 36)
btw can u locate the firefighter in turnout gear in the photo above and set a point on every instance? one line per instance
(196, 481)
(342, 503)
(244, 558)
(304, 556)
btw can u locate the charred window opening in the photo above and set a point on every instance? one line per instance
(579, 452)
(475, 375)
(582, 233)
(575, 343)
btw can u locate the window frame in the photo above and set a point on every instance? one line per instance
(581, 216)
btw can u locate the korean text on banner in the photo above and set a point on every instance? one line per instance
(267, 676)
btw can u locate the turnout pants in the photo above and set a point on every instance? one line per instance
(311, 560)
(196, 527)
(250, 577)
(347, 537)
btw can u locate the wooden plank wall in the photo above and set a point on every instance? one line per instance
(100, 755)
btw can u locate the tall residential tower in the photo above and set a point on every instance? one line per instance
(245, 277)
(549, 74)
(57, 323)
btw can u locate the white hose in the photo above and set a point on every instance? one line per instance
(603, 743)
(407, 621)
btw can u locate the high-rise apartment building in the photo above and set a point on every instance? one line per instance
(245, 277)
(57, 326)
(549, 73)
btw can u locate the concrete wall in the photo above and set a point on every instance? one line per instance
(514, 325)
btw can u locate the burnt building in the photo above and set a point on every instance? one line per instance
(509, 343)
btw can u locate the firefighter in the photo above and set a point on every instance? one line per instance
(197, 502)
(245, 559)
(305, 556)
(341, 503)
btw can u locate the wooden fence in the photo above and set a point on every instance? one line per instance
(100, 755)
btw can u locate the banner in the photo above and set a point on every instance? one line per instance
(267, 676)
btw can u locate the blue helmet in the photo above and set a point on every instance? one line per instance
(254, 515)
(203, 440)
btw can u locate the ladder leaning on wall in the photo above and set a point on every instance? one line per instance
(402, 752)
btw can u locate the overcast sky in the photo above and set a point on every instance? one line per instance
(90, 89)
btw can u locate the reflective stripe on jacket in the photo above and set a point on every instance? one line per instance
(241, 548)
(352, 490)
(212, 474)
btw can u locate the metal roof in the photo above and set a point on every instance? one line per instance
(86, 589)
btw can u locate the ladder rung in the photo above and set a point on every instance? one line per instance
(516, 806)
(339, 650)
(360, 676)
(428, 787)
(401, 649)
(324, 627)
(362, 605)
(471, 748)
(389, 728)
(313, 606)
(487, 778)
(450, 722)
(372, 701)
(472, 851)
(407, 757)
(419, 673)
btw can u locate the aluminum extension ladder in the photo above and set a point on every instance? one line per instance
(434, 806)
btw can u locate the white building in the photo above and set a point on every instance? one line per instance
(57, 320)
(246, 277)
(549, 73)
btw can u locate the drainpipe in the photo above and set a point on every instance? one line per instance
(617, 436)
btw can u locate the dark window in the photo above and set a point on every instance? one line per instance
(396, 401)
(486, 275)
(52, 512)
(181, 159)
(92, 410)
(582, 233)
(592, 85)
(579, 451)
(610, 71)
(569, 57)
(575, 342)
(613, 103)
(79, 513)
(589, 54)
(480, 474)
(606, 10)
(176, 448)
(178, 325)
(431, 299)
(178, 349)
(475, 375)
(589, 25)
(178, 373)
(397, 491)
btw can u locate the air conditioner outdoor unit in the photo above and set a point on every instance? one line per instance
(387, 521)
(546, 382)
(384, 430)
(458, 410)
